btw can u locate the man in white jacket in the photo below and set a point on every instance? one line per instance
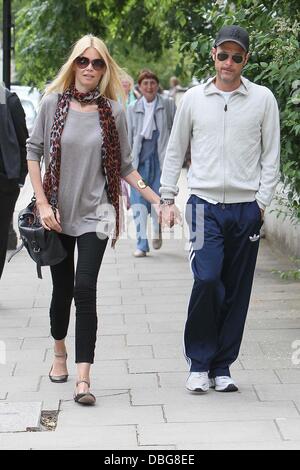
(232, 125)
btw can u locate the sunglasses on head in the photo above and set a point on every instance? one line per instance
(237, 58)
(83, 62)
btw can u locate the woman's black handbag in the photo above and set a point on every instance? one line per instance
(43, 246)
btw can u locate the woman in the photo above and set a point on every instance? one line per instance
(150, 121)
(128, 87)
(81, 132)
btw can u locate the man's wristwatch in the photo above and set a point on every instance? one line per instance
(166, 202)
(141, 184)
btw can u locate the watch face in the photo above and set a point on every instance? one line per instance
(141, 184)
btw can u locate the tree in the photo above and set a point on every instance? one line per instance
(45, 33)
(175, 36)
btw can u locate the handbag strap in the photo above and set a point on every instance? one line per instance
(17, 250)
(39, 270)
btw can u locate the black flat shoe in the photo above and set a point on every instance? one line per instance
(59, 379)
(86, 399)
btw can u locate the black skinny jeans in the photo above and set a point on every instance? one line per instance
(82, 286)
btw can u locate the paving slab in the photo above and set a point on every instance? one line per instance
(266, 363)
(278, 392)
(29, 383)
(109, 411)
(19, 417)
(220, 412)
(13, 322)
(157, 365)
(290, 428)
(140, 372)
(255, 445)
(249, 349)
(97, 437)
(171, 433)
(288, 376)
(154, 338)
(111, 381)
(181, 397)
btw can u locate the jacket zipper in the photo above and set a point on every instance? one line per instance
(223, 157)
(225, 110)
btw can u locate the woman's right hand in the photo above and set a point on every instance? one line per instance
(49, 219)
(169, 215)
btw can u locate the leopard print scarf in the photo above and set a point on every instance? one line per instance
(111, 151)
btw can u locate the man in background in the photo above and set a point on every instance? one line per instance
(13, 165)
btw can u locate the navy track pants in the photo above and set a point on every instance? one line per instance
(223, 269)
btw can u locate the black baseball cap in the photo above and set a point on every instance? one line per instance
(233, 33)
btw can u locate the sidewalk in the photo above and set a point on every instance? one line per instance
(139, 373)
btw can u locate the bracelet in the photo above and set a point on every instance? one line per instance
(166, 202)
(142, 184)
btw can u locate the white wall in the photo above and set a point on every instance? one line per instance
(280, 229)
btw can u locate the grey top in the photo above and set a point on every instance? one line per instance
(82, 196)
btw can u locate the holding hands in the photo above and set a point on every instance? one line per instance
(169, 214)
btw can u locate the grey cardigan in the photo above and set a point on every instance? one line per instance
(164, 115)
(38, 144)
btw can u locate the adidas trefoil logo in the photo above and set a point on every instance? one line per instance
(254, 238)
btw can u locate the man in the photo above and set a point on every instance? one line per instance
(149, 125)
(176, 91)
(233, 127)
(13, 165)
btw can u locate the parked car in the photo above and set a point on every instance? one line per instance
(30, 113)
(30, 98)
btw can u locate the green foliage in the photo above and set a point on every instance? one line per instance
(40, 50)
(134, 58)
(45, 33)
(289, 275)
(293, 274)
(174, 37)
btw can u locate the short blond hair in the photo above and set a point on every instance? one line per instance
(110, 85)
(127, 78)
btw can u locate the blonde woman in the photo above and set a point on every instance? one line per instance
(128, 87)
(81, 132)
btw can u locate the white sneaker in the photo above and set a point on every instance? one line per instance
(223, 384)
(139, 253)
(198, 382)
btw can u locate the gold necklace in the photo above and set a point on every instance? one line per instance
(78, 102)
(81, 107)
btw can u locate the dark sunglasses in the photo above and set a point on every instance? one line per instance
(82, 62)
(237, 58)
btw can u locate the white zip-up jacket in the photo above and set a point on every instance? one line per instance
(235, 148)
